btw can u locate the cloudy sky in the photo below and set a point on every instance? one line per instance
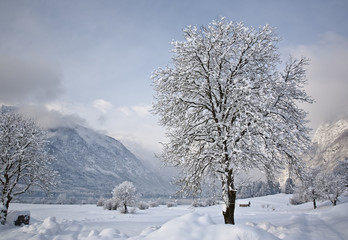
(90, 61)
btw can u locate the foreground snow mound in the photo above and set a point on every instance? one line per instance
(196, 226)
(269, 217)
(50, 229)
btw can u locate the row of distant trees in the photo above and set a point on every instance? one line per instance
(125, 196)
(258, 189)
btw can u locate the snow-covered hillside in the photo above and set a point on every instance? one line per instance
(327, 133)
(330, 143)
(91, 164)
(269, 217)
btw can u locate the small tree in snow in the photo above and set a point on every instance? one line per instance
(331, 185)
(309, 189)
(226, 107)
(125, 195)
(62, 198)
(23, 161)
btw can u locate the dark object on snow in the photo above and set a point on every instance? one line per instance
(245, 204)
(22, 219)
(19, 217)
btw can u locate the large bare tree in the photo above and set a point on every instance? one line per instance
(24, 162)
(226, 106)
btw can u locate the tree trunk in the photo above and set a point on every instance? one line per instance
(4, 211)
(229, 213)
(231, 200)
(314, 203)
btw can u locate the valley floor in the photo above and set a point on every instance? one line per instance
(269, 217)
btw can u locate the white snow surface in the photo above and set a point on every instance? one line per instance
(269, 217)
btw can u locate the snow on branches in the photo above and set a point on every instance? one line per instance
(226, 107)
(125, 195)
(23, 161)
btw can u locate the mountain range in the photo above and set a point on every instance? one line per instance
(91, 164)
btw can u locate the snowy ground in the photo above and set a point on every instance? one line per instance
(270, 217)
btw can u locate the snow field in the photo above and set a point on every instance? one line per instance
(269, 217)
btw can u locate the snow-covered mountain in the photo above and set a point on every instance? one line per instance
(330, 143)
(91, 164)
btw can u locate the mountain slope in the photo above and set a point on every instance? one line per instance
(330, 143)
(91, 164)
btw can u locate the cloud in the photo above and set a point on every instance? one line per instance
(138, 110)
(131, 124)
(102, 105)
(28, 80)
(327, 77)
(47, 117)
(125, 111)
(142, 110)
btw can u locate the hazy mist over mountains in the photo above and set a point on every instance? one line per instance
(91, 164)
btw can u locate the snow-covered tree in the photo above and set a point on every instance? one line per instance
(125, 195)
(24, 163)
(342, 169)
(331, 185)
(62, 199)
(226, 107)
(322, 183)
(289, 186)
(309, 189)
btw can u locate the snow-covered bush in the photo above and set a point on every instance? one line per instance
(154, 204)
(110, 204)
(198, 203)
(143, 205)
(211, 202)
(131, 210)
(161, 201)
(101, 202)
(171, 204)
(204, 202)
(297, 199)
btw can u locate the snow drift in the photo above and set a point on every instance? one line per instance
(269, 217)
